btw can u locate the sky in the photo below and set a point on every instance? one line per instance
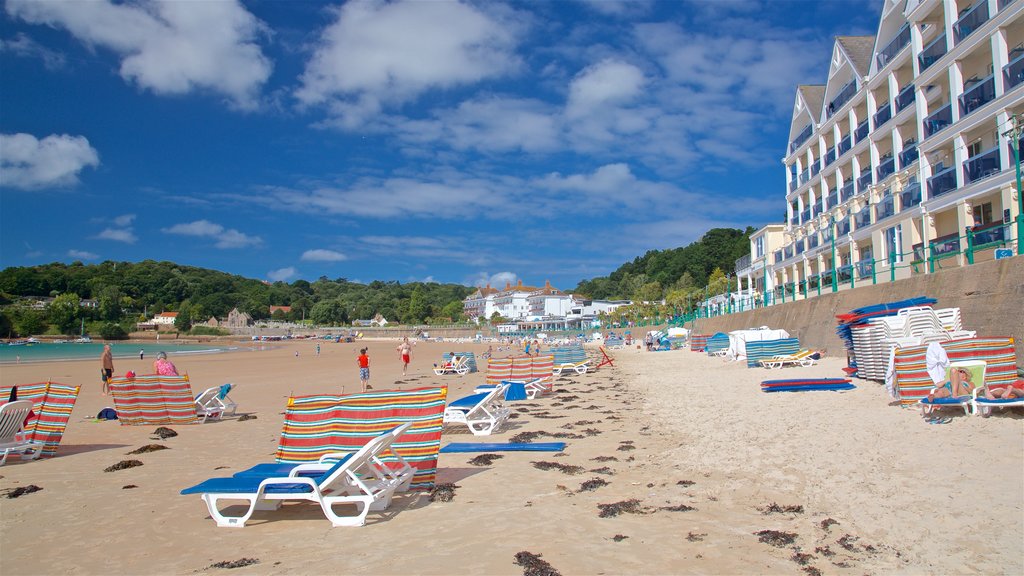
(445, 141)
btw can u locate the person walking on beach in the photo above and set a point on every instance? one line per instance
(142, 354)
(318, 349)
(364, 370)
(405, 352)
(107, 370)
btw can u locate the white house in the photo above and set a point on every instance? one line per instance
(165, 318)
(548, 301)
(480, 304)
(512, 302)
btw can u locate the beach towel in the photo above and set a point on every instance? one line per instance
(153, 400)
(503, 447)
(317, 425)
(52, 403)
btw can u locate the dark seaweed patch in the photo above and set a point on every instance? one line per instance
(828, 522)
(685, 483)
(245, 417)
(677, 508)
(801, 558)
(605, 459)
(696, 536)
(824, 551)
(149, 448)
(775, 508)
(123, 465)
(811, 570)
(848, 541)
(593, 484)
(619, 537)
(603, 470)
(533, 565)
(485, 459)
(128, 486)
(776, 538)
(563, 468)
(241, 562)
(631, 506)
(164, 433)
(444, 492)
(22, 490)
(526, 437)
(626, 447)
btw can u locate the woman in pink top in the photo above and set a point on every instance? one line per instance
(163, 366)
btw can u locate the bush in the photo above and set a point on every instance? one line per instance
(208, 331)
(112, 331)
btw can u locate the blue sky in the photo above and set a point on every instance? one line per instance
(447, 141)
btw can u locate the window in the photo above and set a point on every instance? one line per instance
(759, 247)
(974, 148)
(893, 244)
(983, 214)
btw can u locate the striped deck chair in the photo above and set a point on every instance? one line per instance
(153, 400)
(698, 342)
(801, 358)
(717, 345)
(315, 426)
(468, 358)
(913, 383)
(52, 403)
(764, 349)
(498, 370)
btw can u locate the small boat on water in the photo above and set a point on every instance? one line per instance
(17, 343)
(83, 340)
(32, 341)
(60, 341)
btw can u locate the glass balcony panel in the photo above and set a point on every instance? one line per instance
(847, 191)
(792, 185)
(842, 98)
(894, 46)
(863, 218)
(833, 199)
(788, 252)
(843, 227)
(908, 156)
(830, 157)
(982, 166)
(932, 52)
(816, 209)
(980, 93)
(845, 273)
(864, 269)
(812, 242)
(800, 139)
(805, 216)
(800, 247)
(937, 121)
(883, 115)
(918, 252)
(805, 176)
(942, 182)
(846, 143)
(815, 168)
(861, 132)
(885, 208)
(905, 98)
(813, 282)
(910, 196)
(1013, 73)
(742, 263)
(990, 234)
(971, 20)
(886, 168)
(1004, 3)
(778, 256)
(864, 181)
(945, 245)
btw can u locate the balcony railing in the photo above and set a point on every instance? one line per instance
(883, 115)
(742, 263)
(981, 93)
(805, 176)
(842, 98)
(816, 209)
(805, 216)
(794, 220)
(905, 98)
(910, 196)
(945, 245)
(800, 139)
(971, 20)
(815, 168)
(843, 227)
(909, 155)
(1004, 3)
(942, 182)
(940, 119)
(777, 256)
(1013, 73)
(994, 233)
(932, 52)
(844, 274)
(982, 165)
(847, 191)
(792, 185)
(885, 208)
(788, 252)
(846, 143)
(887, 167)
(799, 246)
(861, 132)
(830, 156)
(812, 242)
(894, 46)
(864, 268)
(833, 199)
(864, 181)
(862, 219)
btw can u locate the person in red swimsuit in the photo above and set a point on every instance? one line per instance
(364, 370)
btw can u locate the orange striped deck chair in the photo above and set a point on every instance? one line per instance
(913, 382)
(153, 400)
(52, 403)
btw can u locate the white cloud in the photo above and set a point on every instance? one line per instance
(167, 47)
(124, 220)
(619, 7)
(607, 84)
(379, 53)
(22, 45)
(125, 235)
(497, 280)
(82, 255)
(29, 163)
(225, 237)
(322, 255)
(492, 124)
(281, 274)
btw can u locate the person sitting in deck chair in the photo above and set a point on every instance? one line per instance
(959, 384)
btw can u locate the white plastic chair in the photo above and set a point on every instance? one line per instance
(13, 439)
(482, 413)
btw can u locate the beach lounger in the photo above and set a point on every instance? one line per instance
(532, 388)
(801, 358)
(214, 403)
(578, 367)
(984, 406)
(13, 439)
(482, 413)
(458, 365)
(352, 480)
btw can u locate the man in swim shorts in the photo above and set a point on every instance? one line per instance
(405, 352)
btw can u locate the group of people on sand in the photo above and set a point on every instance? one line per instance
(959, 384)
(161, 366)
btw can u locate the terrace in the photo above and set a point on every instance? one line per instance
(909, 155)
(970, 20)
(862, 219)
(846, 143)
(905, 98)
(1013, 73)
(894, 47)
(847, 191)
(940, 119)
(861, 132)
(885, 208)
(910, 196)
(883, 115)
(980, 93)
(942, 182)
(864, 180)
(842, 98)
(886, 167)
(932, 52)
(843, 227)
(800, 139)
(982, 165)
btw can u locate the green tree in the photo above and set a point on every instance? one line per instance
(6, 325)
(717, 282)
(278, 315)
(453, 310)
(110, 303)
(65, 312)
(183, 321)
(649, 292)
(112, 331)
(329, 313)
(418, 308)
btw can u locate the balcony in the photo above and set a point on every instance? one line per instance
(812, 242)
(800, 139)
(843, 227)
(833, 199)
(805, 176)
(939, 120)
(905, 98)
(885, 208)
(1013, 73)
(846, 143)
(847, 191)
(805, 216)
(864, 181)
(830, 156)
(970, 21)
(910, 196)
(800, 247)
(777, 256)
(932, 52)
(842, 98)
(815, 168)
(861, 132)
(945, 245)
(788, 252)
(980, 93)
(909, 155)
(885, 168)
(792, 184)
(844, 274)
(862, 219)
(742, 263)
(990, 234)
(982, 166)
(794, 220)
(1004, 3)
(894, 47)
(816, 209)
(883, 115)
(942, 182)
(864, 268)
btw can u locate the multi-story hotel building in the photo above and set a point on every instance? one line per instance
(903, 154)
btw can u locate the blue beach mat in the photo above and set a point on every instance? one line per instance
(503, 447)
(808, 388)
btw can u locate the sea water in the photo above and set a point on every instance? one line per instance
(47, 352)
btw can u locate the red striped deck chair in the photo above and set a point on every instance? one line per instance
(699, 342)
(52, 402)
(606, 360)
(498, 369)
(154, 399)
(914, 383)
(317, 425)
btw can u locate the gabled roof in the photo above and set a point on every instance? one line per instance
(814, 97)
(859, 50)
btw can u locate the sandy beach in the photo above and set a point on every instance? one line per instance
(860, 486)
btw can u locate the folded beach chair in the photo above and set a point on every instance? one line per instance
(482, 413)
(801, 358)
(355, 479)
(577, 367)
(214, 403)
(458, 365)
(532, 388)
(13, 439)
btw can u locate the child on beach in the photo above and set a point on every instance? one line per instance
(364, 370)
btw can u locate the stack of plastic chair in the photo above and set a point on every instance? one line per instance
(872, 356)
